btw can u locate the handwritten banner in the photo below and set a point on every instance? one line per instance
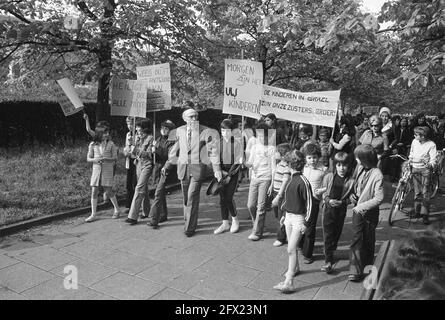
(64, 102)
(68, 88)
(243, 83)
(316, 108)
(128, 98)
(158, 81)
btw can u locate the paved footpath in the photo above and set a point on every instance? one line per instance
(118, 261)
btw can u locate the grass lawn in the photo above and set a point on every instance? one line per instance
(48, 180)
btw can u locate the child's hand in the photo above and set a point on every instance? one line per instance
(282, 220)
(275, 201)
(334, 203)
(85, 116)
(269, 192)
(319, 191)
(303, 229)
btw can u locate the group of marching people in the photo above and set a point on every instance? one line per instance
(296, 171)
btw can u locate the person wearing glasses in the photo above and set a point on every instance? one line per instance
(375, 138)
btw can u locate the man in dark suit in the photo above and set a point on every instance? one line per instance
(195, 147)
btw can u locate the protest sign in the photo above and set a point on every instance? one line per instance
(243, 83)
(65, 103)
(68, 88)
(316, 108)
(158, 82)
(128, 98)
(370, 109)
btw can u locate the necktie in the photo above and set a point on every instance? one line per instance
(189, 137)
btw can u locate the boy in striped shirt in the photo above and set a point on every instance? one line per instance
(279, 182)
(299, 215)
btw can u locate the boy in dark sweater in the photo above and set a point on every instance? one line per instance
(299, 214)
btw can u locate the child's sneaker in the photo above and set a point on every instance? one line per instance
(253, 237)
(235, 225)
(91, 218)
(277, 243)
(327, 268)
(222, 228)
(116, 215)
(285, 287)
(308, 260)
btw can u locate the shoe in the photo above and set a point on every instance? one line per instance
(356, 277)
(189, 233)
(277, 243)
(153, 225)
(235, 225)
(253, 237)
(143, 216)
(116, 215)
(222, 228)
(308, 260)
(91, 218)
(131, 221)
(163, 220)
(285, 287)
(327, 268)
(425, 220)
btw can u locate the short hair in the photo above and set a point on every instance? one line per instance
(168, 124)
(423, 131)
(376, 120)
(296, 160)
(271, 116)
(367, 155)
(103, 123)
(312, 149)
(227, 124)
(144, 124)
(306, 129)
(99, 133)
(284, 148)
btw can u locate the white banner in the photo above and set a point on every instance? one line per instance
(65, 103)
(316, 108)
(158, 81)
(243, 83)
(68, 88)
(128, 98)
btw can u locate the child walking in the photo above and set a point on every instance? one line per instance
(103, 154)
(314, 171)
(279, 181)
(423, 156)
(262, 164)
(338, 185)
(366, 199)
(299, 214)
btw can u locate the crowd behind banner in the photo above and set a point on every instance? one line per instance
(298, 171)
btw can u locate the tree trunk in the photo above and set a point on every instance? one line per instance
(105, 63)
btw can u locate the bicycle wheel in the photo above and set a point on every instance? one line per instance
(434, 184)
(395, 203)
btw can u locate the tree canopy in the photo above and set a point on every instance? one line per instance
(303, 45)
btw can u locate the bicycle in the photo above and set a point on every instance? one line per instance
(404, 187)
(437, 172)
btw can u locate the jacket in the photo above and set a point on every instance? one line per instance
(204, 151)
(348, 188)
(371, 194)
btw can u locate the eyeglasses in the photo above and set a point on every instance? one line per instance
(375, 125)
